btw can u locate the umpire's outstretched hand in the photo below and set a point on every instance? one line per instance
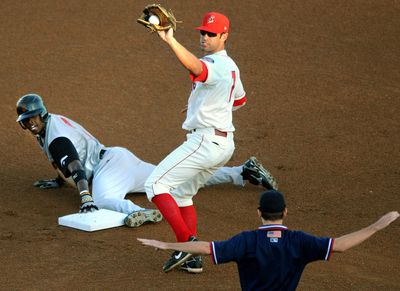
(385, 220)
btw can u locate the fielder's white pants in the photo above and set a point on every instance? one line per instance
(190, 166)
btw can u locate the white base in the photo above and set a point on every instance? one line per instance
(92, 221)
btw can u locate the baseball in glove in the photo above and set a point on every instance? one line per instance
(157, 18)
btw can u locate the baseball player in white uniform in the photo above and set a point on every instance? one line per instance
(216, 91)
(112, 172)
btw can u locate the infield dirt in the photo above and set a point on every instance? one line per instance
(323, 86)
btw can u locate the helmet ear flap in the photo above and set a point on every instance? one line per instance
(31, 105)
(22, 124)
(45, 116)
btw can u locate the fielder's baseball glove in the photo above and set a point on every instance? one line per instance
(157, 18)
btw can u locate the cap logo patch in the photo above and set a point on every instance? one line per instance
(211, 19)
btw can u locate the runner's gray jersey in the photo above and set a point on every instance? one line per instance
(87, 146)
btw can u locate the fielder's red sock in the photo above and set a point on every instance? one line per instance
(170, 211)
(189, 216)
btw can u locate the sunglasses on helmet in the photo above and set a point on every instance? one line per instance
(209, 34)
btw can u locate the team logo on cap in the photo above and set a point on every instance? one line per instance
(211, 19)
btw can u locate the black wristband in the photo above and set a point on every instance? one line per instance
(78, 175)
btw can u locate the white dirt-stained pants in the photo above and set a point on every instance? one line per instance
(190, 166)
(118, 173)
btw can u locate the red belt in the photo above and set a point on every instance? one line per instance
(216, 132)
(220, 133)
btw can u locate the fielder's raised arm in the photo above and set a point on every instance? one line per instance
(188, 60)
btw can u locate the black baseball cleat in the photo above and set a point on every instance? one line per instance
(193, 265)
(137, 218)
(177, 258)
(256, 174)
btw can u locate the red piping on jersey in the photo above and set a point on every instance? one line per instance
(273, 227)
(330, 249)
(233, 85)
(240, 102)
(201, 142)
(202, 77)
(212, 253)
(66, 122)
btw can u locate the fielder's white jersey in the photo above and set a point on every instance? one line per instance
(87, 146)
(210, 102)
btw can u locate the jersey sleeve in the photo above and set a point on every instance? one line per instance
(316, 248)
(231, 250)
(238, 103)
(61, 143)
(240, 95)
(202, 77)
(210, 74)
(63, 152)
(59, 127)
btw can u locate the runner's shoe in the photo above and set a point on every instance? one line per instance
(139, 217)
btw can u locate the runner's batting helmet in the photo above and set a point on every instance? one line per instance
(30, 105)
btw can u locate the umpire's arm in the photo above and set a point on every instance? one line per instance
(195, 247)
(350, 240)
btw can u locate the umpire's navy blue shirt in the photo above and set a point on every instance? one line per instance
(271, 257)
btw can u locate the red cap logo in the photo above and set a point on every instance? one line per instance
(214, 22)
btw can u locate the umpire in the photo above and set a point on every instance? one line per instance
(274, 257)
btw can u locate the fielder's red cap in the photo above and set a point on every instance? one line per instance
(214, 22)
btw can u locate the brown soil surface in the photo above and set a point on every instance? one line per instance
(323, 86)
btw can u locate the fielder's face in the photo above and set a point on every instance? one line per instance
(35, 124)
(211, 42)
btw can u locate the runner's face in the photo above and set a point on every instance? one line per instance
(34, 124)
(212, 42)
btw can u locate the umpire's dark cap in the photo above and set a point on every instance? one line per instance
(272, 201)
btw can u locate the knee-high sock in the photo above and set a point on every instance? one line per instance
(170, 211)
(188, 214)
